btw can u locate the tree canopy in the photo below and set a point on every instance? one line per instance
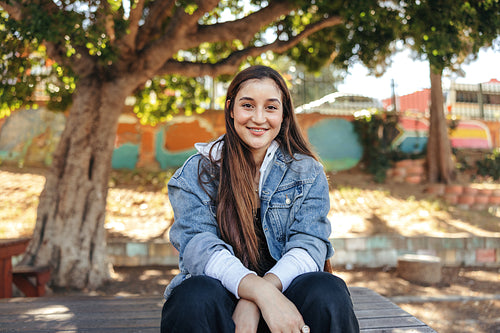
(448, 33)
(55, 42)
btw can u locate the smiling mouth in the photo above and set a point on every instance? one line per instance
(257, 129)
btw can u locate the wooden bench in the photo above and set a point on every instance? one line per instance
(22, 276)
(142, 314)
(8, 249)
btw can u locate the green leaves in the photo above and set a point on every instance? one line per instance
(163, 97)
(446, 32)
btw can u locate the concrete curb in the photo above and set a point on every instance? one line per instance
(375, 251)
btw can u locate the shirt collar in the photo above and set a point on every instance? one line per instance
(205, 148)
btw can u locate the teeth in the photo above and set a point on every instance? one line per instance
(257, 130)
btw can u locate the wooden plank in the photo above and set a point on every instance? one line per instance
(377, 313)
(375, 306)
(390, 322)
(422, 329)
(142, 314)
(76, 323)
(68, 315)
(91, 330)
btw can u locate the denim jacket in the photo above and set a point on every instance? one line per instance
(294, 207)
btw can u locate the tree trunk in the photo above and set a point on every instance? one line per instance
(439, 162)
(69, 235)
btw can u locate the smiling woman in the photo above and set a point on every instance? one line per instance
(251, 226)
(258, 115)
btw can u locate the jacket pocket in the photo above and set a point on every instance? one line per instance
(282, 206)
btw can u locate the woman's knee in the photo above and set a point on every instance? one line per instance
(321, 288)
(324, 301)
(199, 291)
(201, 297)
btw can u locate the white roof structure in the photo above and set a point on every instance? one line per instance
(339, 104)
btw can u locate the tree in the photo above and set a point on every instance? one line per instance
(446, 33)
(104, 52)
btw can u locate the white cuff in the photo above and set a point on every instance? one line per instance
(294, 263)
(228, 269)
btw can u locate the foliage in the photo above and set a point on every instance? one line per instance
(160, 99)
(19, 57)
(370, 127)
(379, 155)
(96, 29)
(25, 65)
(448, 33)
(490, 165)
(367, 34)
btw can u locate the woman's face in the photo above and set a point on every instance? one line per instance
(257, 114)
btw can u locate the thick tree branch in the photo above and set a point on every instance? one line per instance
(133, 25)
(183, 23)
(243, 29)
(230, 64)
(157, 14)
(180, 26)
(108, 21)
(184, 29)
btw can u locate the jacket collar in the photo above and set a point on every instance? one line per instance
(206, 148)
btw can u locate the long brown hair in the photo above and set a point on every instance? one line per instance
(236, 201)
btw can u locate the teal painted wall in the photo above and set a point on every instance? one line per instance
(336, 143)
(167, 159)
(125, 157)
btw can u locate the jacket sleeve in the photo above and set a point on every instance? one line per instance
(311, 228)
(194, 231)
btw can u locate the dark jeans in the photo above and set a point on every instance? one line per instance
(201, 304)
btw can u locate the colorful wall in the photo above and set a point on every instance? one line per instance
(28, 137)
(469, 134)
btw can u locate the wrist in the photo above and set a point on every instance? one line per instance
(274, 280)
(256, 289)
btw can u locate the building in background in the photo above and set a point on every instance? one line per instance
(462, 101)
(474, 101)
(341, 104)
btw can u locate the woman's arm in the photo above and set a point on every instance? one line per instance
(310, 229)
(280, 314)
(246, 315)
(194, 231)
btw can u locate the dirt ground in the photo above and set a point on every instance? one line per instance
(138, 209)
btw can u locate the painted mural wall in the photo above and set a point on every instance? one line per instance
(469, 134)
(28, 137)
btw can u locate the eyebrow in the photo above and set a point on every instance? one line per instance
(268, 100)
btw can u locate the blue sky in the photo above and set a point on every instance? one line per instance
(411, 75)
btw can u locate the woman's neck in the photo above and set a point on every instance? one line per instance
(258, 158)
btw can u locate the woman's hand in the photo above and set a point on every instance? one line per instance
(246, 316)
(280, 314)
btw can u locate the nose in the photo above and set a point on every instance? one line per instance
(259, 116)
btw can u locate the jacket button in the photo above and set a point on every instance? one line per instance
(287, 201)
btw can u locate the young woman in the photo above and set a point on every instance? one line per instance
(250, 225)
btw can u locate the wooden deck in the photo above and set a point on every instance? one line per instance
(142, 314)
